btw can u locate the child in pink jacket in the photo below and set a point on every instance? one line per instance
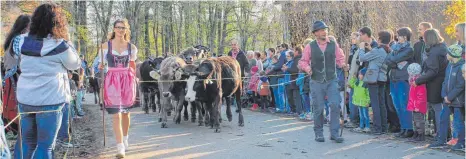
(417, 102)
(252, 86)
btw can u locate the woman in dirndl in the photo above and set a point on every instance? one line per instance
(120, 82)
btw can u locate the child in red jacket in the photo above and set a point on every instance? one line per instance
(417, 102)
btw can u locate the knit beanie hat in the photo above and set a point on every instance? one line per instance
(414, 69)
(455, 51)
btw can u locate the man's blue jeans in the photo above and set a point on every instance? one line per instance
(63, 133)
(399, 91)
(38, 131)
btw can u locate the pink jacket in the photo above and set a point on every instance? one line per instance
(417, 101)
(253, 82)
(305, 62)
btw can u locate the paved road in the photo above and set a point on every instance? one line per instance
(264, 136)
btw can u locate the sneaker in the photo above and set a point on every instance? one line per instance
(126, 144)
(366, 130)
(320, 139)
(358, 129)
(349, 125)
(337, 139)
(301, 116)
(120, 151)
(309, 116)
(81, 114)
(77, 117)
(452, 142)
(66, 144)
(458, 147)
(436, 145)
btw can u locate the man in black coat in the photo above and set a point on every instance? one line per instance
(239, 55)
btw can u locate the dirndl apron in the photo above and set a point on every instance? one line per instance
(120, 81)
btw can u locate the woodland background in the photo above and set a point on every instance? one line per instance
(159, 27)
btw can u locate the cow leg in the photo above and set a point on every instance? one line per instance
(144, 102)
(153, 104)
(208, 114)
(157, 101)
(179, 108)
(216, 113)
(228, 103)
(193, 111)
(163, 116)
(200, 117)
(239, 106)
(185, 115)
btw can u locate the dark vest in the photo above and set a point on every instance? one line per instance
(323, 64)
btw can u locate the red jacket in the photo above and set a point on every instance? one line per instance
(417, 101)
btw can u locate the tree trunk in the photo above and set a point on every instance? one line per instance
(146, 32)
(179, 35)
(219, 27)
(199, 29)
(224, 30)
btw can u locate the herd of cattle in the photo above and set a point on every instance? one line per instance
(190, 79)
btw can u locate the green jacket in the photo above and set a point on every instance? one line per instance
(360, 93)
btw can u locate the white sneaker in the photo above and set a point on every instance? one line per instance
(126, 144)
(120, 151)
(125, 141)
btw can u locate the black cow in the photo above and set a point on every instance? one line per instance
(149, 87)
(213, 79)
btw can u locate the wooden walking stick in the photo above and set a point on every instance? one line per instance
(102, 77)
(344, 96)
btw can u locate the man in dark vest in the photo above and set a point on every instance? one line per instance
(239, 55)
(326, 57)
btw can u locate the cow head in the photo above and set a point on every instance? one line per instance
(171, 71)
(189, 55)
(198, 80)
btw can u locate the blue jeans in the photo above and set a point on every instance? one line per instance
(79, 102)
(442, 132)
(63, 133)
(306, 103)
(458, 125)
(399, 91)
(364, 119)
(39, 131)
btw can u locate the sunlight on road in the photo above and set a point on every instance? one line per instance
(356, 145)
(295, 123)
(286, 130)
(195, 155)
(279, 119)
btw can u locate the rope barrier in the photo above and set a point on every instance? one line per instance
(156, 81)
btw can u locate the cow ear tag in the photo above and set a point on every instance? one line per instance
(208, 81)
(154, 75)
(178, 75)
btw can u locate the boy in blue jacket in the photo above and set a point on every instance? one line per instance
(453, 96)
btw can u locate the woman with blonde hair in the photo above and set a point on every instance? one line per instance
(119, 83)
(433, 74)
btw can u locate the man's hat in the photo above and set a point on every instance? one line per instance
(318, 25)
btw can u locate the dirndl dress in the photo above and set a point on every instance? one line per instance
(119, 83)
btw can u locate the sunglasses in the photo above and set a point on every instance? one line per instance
(121, 28)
